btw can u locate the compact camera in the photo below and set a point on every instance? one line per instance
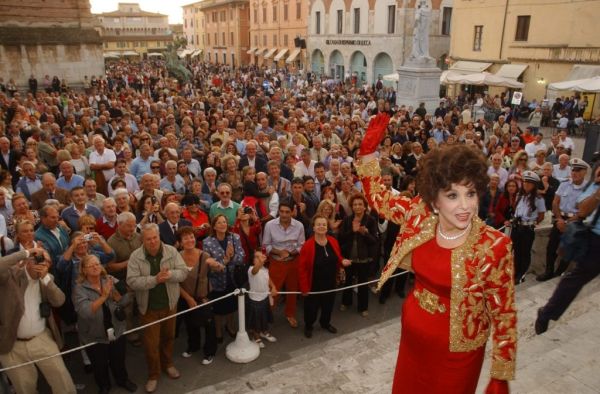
(88, 237)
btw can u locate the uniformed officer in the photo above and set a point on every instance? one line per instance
(529, 212)
(586, 269)
(564, 210)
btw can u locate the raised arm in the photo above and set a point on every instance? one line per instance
(389, 206)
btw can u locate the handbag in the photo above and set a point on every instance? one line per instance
(575, 241)
(202, 315)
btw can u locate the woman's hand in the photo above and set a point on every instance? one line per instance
(346, 262)
(375, 133)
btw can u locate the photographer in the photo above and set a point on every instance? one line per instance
(99, 301)
(28, 292)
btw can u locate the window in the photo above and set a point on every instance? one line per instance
(265, 40)
(231, 39)
(256, 40)
(224, 58)
(285, 40)
(274, 40)
(233, 59)
(223, 42)
(391, 19)
(214, 16)
(203, 39)
(522, 27)
(185, 23)
(223, 16)
(446, 21)
(477, 38)
(298, 10)
(256, 15)
(231, 14)
(356, 20)
(216, 40)
(208, 38)
(285, 12)
(264, 15)
(209, 57)
(274, 13)
(318, 22)
(197, 39)
(340, 21)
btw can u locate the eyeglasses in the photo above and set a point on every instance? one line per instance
(225, 193)
(155, 168)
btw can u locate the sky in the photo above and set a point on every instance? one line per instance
(168, 7)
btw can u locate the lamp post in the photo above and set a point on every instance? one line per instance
(541, 81)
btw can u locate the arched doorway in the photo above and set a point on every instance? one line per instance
(383, 65)
(336, 65)
(318, 62)
(358, 67)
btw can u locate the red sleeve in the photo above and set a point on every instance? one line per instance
(499, 211)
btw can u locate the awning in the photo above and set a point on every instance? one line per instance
(479, 79)
(513, 71)
(260, 51)
(392, 77)
(197, 52)
(112, 55)
(155, 54)
(251, 51)
(583, 71)
(271, 52)
(293, 55)
(280, 54)
(130, 53)
(466, 67)
(184, 53)
(591, 85)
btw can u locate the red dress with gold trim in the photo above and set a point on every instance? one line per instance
(425, 327)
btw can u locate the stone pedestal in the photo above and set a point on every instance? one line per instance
(419, 82)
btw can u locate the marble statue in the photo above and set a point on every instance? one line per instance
(420, 47)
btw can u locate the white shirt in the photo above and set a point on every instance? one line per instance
(259, 283)
(301, 169)
(562, 174)
(130, 182)
(108, 156)
(568, 143)
(532, 148)
(32, 324)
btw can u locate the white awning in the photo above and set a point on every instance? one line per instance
(392, 77)
(261, 51)
(271, 52)
(112, 55)
(583, 71)
(251, 51)
(155, 54)
(479, 79)
(197, 52)
(293, 55)
(513, 71)
(579, 85)
(130, 53)
(280, 54)
(184, 53)
(466, 67)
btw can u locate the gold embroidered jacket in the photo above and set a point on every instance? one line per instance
(482, 288)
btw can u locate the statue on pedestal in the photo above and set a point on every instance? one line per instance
(420, 43)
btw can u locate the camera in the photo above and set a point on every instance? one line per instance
(153, 199)
(88, 237)
(248, 210)
(39, 259)
(45, 310)
(119, 313)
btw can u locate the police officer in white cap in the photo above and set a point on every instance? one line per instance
(564, 210)
(529, 212)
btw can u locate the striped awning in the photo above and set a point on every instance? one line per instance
(280, 54)
(293, 55)
(271, 52)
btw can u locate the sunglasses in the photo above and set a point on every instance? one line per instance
(155, 168)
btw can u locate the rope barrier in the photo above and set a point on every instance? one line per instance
(236, 292)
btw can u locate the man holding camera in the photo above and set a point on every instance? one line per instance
(27, 294)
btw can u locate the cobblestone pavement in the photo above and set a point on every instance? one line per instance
(565, 359)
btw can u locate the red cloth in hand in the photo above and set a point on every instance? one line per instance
(497, 386)
(375, 133)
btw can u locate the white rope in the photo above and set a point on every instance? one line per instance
(323, 291)
(235, 292)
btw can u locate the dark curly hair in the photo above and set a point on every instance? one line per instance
(459, 164)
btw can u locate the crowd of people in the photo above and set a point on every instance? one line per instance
(138, 196)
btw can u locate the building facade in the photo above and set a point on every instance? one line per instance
(225, 31)
(63, 42)
(193, 27)
(368, 39)
(537, 42)
(275, 27)
(130, 31)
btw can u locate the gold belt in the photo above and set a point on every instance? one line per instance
(429, 301)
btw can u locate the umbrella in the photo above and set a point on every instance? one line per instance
(482, 78)
(111, 55)
(591, 85)
(391, 77)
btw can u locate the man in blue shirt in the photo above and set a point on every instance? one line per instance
(79, 208)
(68, 180)
(585, 270)
(141, 165)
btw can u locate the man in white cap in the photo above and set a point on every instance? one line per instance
(564, 210)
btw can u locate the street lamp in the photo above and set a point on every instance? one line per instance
(541, 81)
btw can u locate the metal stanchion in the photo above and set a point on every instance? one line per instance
(242, 350)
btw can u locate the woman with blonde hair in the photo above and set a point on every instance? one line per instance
(232, 176)
(99, 300)
(327, 209)
(80, 163)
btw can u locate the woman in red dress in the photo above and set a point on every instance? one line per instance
(464, 290)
